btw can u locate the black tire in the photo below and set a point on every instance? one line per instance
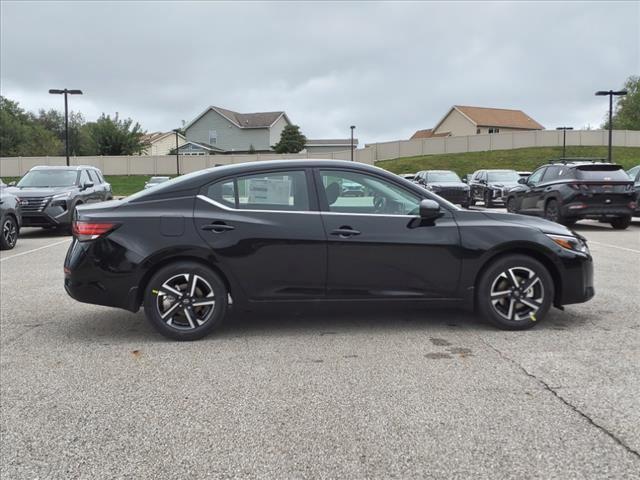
(508, 313)
(472, 201)
(464, 204)
(159, 299)
(9, 233)
(488, 202)
(552, 211)
(511, 205)
(621, 223)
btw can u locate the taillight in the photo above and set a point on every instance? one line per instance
(84, 231)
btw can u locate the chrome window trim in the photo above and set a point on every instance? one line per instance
(306, 212)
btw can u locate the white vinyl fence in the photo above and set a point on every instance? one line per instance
(166, 165)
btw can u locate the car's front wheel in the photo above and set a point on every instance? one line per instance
(185, 300)
(621, 223)
(9, 234)
(487, 199)
(515, 292)
(511, 205)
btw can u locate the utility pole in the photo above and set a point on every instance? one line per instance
(66, 115)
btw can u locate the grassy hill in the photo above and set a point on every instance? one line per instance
(523, 159)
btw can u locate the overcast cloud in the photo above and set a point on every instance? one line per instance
(388, 68)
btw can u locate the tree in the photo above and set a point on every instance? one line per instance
(291, 140)
(21, 136)
(53, 121)
(626, 114)
(113, 136)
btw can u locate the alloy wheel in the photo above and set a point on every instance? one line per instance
(517, 294)
(186, 301)
(9, 232)
(551, 211)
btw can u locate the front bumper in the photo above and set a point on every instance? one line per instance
(51, 214)
(576, 281)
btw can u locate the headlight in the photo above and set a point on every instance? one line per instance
(61, 196)
(574, 244)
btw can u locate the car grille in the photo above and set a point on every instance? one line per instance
(453, 194)
(33, 204)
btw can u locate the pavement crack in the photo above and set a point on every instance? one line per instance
(555, 393)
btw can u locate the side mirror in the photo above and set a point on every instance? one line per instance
(522, 180)
(87, 185)
(12, 184)
(464, 179)
(429, 209)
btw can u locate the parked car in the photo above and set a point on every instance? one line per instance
(153, 181)
(352, 189)
(10, 218)
(408, 176)
(49, 195)
(490, 186)
(634, 174)
(445, 183)
(186, 247)
(571, 190)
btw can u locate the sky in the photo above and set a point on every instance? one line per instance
(387, 68)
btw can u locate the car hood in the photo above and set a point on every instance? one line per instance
(503, 184)
(27, 192)
(448, 185)
(541, 224)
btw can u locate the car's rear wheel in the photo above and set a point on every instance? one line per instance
(185, 300)
(552, 212)
(9, 234)
(515, 292)
(621, 223)
(511, 205)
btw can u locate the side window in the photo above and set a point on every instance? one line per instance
(535, 177)
(223, 192)
(273, 191)
(92, 176)
(553, 173)
(98, 174)
(354, 192)
(84, 177)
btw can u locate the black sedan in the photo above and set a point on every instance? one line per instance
(10, 218)
(283, 231)
(445, 183)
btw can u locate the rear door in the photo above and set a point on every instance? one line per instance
(378, 247)
(603, 185)
(266, 231)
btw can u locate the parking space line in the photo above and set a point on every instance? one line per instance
(613, 246)
(35, 249)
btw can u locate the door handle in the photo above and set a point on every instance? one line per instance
(345, 232)
(218, 227)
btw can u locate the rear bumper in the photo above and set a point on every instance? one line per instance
(578, 210)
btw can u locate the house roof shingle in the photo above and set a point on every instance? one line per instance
(244, 120)
(499, 117)
(428, 133)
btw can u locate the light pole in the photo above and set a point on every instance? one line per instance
(352, 127)
(176, 131)
(611, 94)
(564, 139)
(66, 115)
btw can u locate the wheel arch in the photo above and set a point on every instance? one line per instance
(530, 251)
(159, 263)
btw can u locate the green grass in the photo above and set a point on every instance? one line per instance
(522, 159)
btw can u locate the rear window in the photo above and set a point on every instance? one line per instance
(606, 173)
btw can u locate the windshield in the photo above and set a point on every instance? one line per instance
(49, 178)
(506, 176)
(443, 177)
(602, 173)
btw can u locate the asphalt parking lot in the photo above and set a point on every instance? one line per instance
(92, 392)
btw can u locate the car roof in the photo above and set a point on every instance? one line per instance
(439, 171)
(577, 162)
(63, 167)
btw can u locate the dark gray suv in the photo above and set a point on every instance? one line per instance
(49, 195)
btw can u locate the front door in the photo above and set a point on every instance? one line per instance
(532, 196)
(265, 230)
(377, 244)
